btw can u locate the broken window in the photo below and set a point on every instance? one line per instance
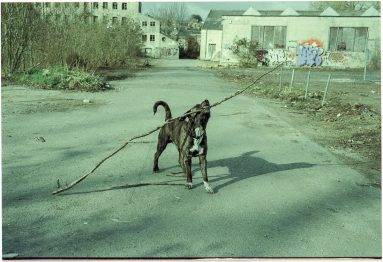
(95, 5)
(114, 5)
(95, 19)
(353, 39)
(114, 20)
(268, 37)
(144, 38)
(123, 20)
(152, 38)
(105, 5)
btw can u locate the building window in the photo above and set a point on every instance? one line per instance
(124, 6)
(114, 5)
(95, 19)
(95, 5)
(105, 5)
(267, 37)
(123, 20)
(77, 4)
(353, 39)
(144, 23)
(152, 23)
(144, 38)
(114, 20)
(47, 4)
(152, 38)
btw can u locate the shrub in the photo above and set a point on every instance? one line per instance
(63, 78)
(246, 51)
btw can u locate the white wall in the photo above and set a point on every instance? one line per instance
(298, 29)
(211, 37)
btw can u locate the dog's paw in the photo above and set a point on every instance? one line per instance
(189, 185)
(208, 188)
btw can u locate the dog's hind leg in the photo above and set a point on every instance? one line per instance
(203, 166)
(162, 143)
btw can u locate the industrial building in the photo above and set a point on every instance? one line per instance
(300, 38)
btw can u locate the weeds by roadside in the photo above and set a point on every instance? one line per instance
(62, 78)
(345, 121)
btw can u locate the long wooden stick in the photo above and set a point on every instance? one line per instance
(155, 129)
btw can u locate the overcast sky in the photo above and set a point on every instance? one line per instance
(202, 8)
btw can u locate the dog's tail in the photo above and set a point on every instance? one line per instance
(166, 107)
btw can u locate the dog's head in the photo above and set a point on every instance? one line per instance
(200, 114)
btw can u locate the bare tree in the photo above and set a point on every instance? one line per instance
(171, 16)
(18, 24)
(345, 5)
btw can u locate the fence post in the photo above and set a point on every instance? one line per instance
(325, 92)
(292, 79)
(307, 83)
(280, 79)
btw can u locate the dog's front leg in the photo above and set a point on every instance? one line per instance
(203, 166)
(187, 168)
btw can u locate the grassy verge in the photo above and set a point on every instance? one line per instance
(62, 78)
(349, 119)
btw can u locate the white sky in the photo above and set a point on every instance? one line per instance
(202, 7)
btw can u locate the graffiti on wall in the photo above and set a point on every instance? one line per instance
(309, 52)
(273, 57)
(344, 59)
(169, 52)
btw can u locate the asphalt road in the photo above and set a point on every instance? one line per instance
(278, 194)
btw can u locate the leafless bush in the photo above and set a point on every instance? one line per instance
(30, 38)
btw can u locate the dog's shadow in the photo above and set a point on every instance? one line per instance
(246, 166)
(240, 168)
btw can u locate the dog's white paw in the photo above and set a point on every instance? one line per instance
(189, 185)
(208, 188)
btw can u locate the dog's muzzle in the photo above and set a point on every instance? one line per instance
(197, 140)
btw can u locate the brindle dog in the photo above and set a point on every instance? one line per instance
(189, 136)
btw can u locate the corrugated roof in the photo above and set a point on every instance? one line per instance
(214, 19)
(308, 13)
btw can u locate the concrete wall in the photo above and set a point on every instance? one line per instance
(211, 37)
(299, 31)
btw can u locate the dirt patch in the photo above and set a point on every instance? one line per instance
(15, 101)
(348, 123)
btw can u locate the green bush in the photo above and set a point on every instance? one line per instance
(246, 51)
(63, 78)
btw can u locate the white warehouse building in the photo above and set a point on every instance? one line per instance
(312, 38)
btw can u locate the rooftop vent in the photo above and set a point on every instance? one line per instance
(289, 11)
(251, 11)
(371, 12)
(329, 12)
